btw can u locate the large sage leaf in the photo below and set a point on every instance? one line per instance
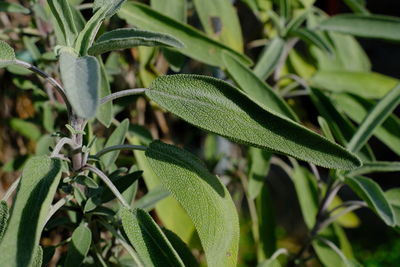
(218, 107)
(375, 118)
(370, 26)
(79, 246)
(220, 21)
(256, 89)
(7, 55)
(203, 196)
(4, 214)
(149, 241)
(364, 84)
(127, 38)
(81, 79)
(61, 11)
(269, 58)
(372, 194)
(357, 108)
(197, 45)
(39, 181)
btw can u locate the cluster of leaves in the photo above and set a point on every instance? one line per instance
(307, 53)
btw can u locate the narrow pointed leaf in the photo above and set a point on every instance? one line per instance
(105, 111)
(112, 6)
(197, 44)
(220, 21)
(259, 163)
(181, 248)
(61, 10)
(357, 6)
(82, 81)
(375, 118)
(13, 8)
(269, 58)
(4, 214)
(372, 194)
(376, 166)
(149, 241)
(369, 26)
(364, 84)
(203, 196)
(393, 197)
(313, 38)
(256, 89)
(128, 38)
(79, 246)
(116, 138)
(7, 55)
(39, 181)
(218, 107)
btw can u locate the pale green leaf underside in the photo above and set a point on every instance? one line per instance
(370, 26)
(36, 190)
(127, 38)
(149, 241)
(204, 198)
(269, 58)
(81, 80)
(372, 194)
(216, 106)
(376, 166)
(197, 44)
(79, 246)
(7, 55)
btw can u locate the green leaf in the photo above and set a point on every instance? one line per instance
(194, 98)
(79, 246)
(342, 129)
(181, 248)
(4, 214)
(82, 81)
(149, 201)
(39, 181)
(197, 45)
(369, 26)
(257, 90)
(375, 118)
(116, 138)
(122, 183)
(26, 128)
(325, 129)
(112, 6)
(357, 6)
(203, 196)
(284, 8)
(372, 194)
(364, 84)
(393, 197)
(149, 241)
(7, 55)
(38, 258)
(105, 111)
(176, 9)
(358, 108)
(127, 38)
(13, 8)
(376, 166)
(269, 58)
(61, 11)
(313, 38)
(220, 21)
(328, 256)
(258, 161)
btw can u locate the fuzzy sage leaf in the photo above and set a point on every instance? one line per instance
(7, 55)
(79, 246)
(203, 196)
(39, 181)
(128, 38)
(216, 106)
(4, 214)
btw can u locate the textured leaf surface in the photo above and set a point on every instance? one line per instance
(149, 241)
(218, 107)
(375, 118)
(364, 84)
(370, 26)
(372, 194)
(7, 55)
(4, 214)
(116, 138)
(79, 246)
(256, 89)
(82, 81)
(197, 45)
(128, 38)
(204, 198)
(357, 109)
(220, 21)
(36, 190)
(269, 58)
(61, 10)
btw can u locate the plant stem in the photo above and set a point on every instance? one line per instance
(54, 208)
(11, 189)
(63, 141)
(123, 93)
(109, 183)
(120, 147)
